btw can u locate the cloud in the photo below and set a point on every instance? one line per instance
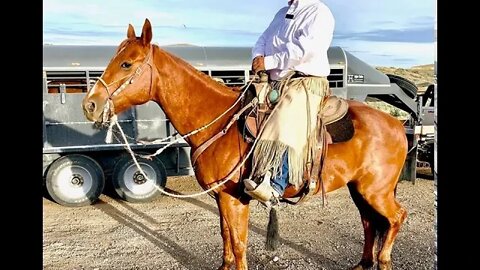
(382, 54)
(417, 35)
(381, 32)
(419, 29)
(425, 21)
(400, 54)
(163, 35)
(354, 51)
(404, 60)
(384, 22)
(83, 33)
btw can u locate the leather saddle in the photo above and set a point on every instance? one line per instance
(333, 113)
(334, 126)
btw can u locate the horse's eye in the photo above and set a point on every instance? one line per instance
(126, 65)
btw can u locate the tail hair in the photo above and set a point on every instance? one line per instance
(272, 231)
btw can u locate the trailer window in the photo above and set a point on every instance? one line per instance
(71, 86)
(335, 78)
(230, 77)
(72, 81)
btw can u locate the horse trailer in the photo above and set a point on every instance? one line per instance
(77, 162)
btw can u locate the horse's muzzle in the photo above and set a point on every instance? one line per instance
(91, 109)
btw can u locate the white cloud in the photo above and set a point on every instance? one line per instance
(105, 12)
(72, 21)
(367, 15)
(401, 54)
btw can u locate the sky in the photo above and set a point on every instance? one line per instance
(380, 32)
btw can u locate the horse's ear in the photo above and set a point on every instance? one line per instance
(146, 33)
(131, 32)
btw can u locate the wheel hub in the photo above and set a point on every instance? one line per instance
(139, 178)
(77, 180)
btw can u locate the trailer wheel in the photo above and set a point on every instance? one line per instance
(408, 87)
(132, 186)
(75, 180)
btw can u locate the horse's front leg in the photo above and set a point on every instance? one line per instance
(228, 257)
(234, 215)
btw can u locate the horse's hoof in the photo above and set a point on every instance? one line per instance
(363, 265)
(384, 265)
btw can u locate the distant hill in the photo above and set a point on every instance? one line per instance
(421, 76)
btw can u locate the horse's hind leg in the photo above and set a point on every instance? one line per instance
(382, 201)
(234, 215)
(368, 258)
(396, 215)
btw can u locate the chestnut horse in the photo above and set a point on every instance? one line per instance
(369, 164)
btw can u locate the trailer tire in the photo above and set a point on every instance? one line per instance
(130, 184)
(408, 87)
(75, 180)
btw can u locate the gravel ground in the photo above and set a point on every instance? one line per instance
(172, 233)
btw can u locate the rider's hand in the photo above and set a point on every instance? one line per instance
(258, 64)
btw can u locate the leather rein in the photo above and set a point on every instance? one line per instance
(109, 110)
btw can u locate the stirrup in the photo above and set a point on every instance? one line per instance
(262, 192)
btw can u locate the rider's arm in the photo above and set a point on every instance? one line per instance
(314, 34)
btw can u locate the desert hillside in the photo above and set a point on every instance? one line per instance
(422, 76)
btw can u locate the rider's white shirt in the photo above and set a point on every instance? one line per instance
(299, 43)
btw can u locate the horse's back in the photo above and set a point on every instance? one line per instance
(377, 149)
(377, 125)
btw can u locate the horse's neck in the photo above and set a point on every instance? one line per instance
(189, 98)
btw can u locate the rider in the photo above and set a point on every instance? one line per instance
(293, 51)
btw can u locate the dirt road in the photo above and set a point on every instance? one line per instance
(174, 233)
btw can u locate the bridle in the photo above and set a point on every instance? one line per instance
(108, 109)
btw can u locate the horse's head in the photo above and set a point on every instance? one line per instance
(126, 81)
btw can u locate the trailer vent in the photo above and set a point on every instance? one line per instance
(335, 78)
(74, 81)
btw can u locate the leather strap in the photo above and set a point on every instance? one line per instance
(302, 197)
(318, 164)
(209, 142)
(229, 176)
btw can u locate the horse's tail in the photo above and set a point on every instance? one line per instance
(272, 231)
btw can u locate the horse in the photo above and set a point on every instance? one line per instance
(369, 164)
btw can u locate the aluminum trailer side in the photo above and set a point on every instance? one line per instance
(77, 161)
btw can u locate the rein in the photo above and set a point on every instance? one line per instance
(114, 121)
(209, 142)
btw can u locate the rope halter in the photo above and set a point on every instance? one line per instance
(108, 109)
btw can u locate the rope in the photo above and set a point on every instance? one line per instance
(193, 132)
(132, 154)
(114, 121)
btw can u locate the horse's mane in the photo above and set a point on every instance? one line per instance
(191, 70)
